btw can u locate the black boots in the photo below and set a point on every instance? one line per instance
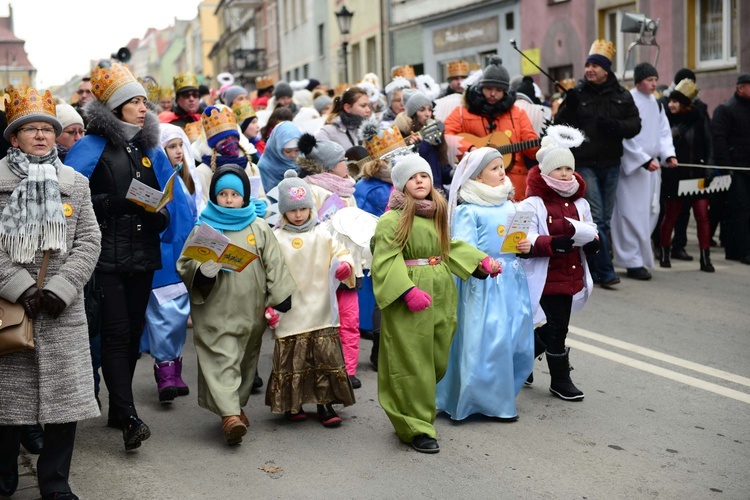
(134, 430)
(706, 265)
(540, 345)
(559, 370)
(664, 260)
(32, 438)
(375, 349)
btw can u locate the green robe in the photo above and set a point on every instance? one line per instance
(228, 317)
(414, 346)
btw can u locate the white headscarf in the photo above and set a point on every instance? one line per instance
(169, 132)
(465, 170)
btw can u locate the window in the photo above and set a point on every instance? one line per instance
(321, 40)
(372, 54)
(356, 71)
(305, 71)
(610, 30)
(509, 21)
(716, 33)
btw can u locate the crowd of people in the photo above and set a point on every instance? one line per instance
(457, 228)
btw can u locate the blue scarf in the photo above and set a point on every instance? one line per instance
(228, 219)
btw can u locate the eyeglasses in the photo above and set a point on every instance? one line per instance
(75, 132)
(190, 95)
(33, 131)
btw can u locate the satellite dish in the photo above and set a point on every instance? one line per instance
(123, 55)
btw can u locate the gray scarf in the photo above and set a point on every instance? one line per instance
(33, 217)
(302, 228)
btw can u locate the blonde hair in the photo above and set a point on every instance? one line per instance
(406, 222)
(372, 168)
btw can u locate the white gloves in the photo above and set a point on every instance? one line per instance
(210, 268)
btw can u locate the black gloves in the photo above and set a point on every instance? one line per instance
(117, 205)
(571, 98)
(592, 247)
(53, 304)
(562, 244)
(157, 221)
(608, 125)
(31, 300)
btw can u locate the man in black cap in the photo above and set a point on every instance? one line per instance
(731, 132)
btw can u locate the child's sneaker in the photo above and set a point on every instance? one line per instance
(298, 416)
(328, 416)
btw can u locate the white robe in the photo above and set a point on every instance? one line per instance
(636, 209)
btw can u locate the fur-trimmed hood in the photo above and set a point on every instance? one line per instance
(104, 123)
(308, 166)
(476, 104)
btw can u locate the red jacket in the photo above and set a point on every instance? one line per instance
(565, 271)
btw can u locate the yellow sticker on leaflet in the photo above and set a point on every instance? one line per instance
(67, 210)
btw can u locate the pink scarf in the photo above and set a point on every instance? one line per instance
(566, 189)
(424, 208)
(342, 186)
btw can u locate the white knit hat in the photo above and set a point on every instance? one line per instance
(406, 167)
(68, 115)
(551, 156)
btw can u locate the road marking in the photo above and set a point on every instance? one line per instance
(662, 372)
(643, 351)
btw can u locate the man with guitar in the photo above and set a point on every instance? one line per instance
(489, 117)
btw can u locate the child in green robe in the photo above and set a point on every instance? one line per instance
(413, 264)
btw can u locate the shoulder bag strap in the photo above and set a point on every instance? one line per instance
(43, 270)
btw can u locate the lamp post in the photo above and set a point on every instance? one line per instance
(344, 20)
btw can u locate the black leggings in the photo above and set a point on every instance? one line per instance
(124, 301)
(555, 331)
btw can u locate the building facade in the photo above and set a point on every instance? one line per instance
(15, 67)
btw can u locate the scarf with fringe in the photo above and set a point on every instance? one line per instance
(33, 218)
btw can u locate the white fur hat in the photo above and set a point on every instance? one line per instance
(551, 156)
(406, 167)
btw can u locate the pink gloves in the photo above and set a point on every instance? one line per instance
(343, 272)
(417, 300)
(490, 266)
(272, 316)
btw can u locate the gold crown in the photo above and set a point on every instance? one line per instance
(687, 88)
(24, 101)
(341, 88)
(603, 48)
(106, 81)
(458, 68)
(165, 92)
(220, 120)
(264, 81)
(151, 88)
(183, 81)
(193, 130)
(243, 110)
(473, 66)
(386, 141)
(568, 83)
(404, 71)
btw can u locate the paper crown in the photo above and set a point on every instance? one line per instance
(341, 88)
(105, 81)
(243, 110)
(404, 71)
(687, 88)
(568, 83)
(166, 92)
(264, 81)
(473, 66)
(193, 130)
(603, 48)
(384, 142)
(220, 120)
(151, 88)
(185, 81)
(458, 68)
(25, 101)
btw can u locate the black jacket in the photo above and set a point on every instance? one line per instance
(731, 133)
(130, 241)
(606, 114)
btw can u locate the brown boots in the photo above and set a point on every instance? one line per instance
(233, 429)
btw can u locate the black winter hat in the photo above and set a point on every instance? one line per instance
(230, 168)
(526, 87)
(643, 71)
(495, 75)
(682, 74)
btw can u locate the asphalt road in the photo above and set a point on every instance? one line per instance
(664, 365)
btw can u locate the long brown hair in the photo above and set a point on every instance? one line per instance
(350, 97)
(406, 222)
(187, 178)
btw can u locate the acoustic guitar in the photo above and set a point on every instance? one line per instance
(501, 142)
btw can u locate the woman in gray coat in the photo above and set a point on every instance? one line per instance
(44, 205)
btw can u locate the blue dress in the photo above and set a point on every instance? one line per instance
(492, 352)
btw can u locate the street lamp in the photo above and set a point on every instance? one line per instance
(344, 20)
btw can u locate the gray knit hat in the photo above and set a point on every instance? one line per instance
(320, 156)
(321, 102)
(551, 156)
(282, 89)
(294, 193)
(231, 94)
(495, 75)
(486, 159)
(416, 102)
(68, 115)
(406, 167)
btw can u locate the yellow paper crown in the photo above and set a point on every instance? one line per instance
(106, 81)
(603, 48)
(568, 83)
(264, 81)
(193, 130)
(386, 141)
(341, 88)
(24, 101)
(404, 71)
(687, 88)
(151, 88)
(243, 110)
(458, 68)
(220, 120)
(165, 92)
(185, 81)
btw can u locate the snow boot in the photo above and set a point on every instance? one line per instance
(559, 370)
(164, 374)
(182, 388)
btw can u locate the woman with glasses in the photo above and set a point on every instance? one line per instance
(72, 124)
(281, 151)
(122, 144)
(51, 383)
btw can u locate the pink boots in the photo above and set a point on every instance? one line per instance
(169, 383)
